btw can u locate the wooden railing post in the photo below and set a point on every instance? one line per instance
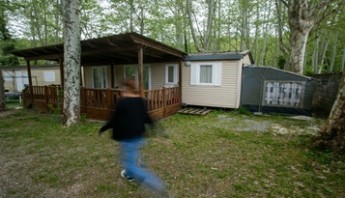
(83, 97)
(46, 97)
(110, 99)
(164, 101)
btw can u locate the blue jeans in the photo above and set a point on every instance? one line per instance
(130, 155)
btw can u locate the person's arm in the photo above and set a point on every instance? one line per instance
(109, 124)
(148, 118)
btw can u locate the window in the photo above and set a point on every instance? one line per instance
(206, 74)
(171, 74)
(99, 77)
(131, 71)
(8, 76)
(49, 76)
(288, 94)
(22, 80)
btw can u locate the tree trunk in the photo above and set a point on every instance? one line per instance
(315, 56)
(343, 61)
(323, 54)
(2, 93)
(298, 45)
(332, 135)
(303, 15)
(211, 7)
(189, 11)
(280, 26)
(71, 14)
(301, 21)
(334, 52)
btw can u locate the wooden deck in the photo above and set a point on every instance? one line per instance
(99, 103)
(194, 111)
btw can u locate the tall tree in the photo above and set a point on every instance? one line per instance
(303, 15)
(203, 40)
(6, 59)
(71, 18)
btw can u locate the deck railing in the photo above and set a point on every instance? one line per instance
(99, 103)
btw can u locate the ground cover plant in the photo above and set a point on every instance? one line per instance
(222, 154)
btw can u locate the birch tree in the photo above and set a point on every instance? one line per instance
(303, 15)
(71, 18)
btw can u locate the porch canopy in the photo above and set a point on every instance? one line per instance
(116, 49)
(127, 48)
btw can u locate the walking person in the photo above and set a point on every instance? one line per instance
(128, 125)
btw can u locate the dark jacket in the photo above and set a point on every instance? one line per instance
(129, 119)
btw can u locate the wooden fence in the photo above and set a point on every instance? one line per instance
(99, 103)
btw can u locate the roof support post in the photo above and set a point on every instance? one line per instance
(180, 79)
(62, 78)
(112, 75)
(30, 83)
(140, 71)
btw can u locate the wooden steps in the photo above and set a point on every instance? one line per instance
(194, 111)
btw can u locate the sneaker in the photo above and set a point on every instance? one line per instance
(124, 175)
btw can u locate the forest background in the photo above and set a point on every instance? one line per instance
(189, 25)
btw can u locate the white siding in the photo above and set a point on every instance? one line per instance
(20, 77)
(157, 75)
(246, 60)
(227, 95)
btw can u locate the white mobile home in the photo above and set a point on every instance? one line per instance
(214, 79)
(16, 78)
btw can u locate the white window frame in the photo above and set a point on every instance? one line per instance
(216, 73)
(175, 75)
(105, 76)
(49, 76)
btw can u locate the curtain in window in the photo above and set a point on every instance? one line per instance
(99, 77)
(205, 73)
(171, 74)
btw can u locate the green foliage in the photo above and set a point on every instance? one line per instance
(236, 25)
(6, 58)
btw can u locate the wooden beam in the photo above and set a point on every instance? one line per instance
(112, 75)
(30, 83)
(180, 79)
(157, 46)
(106, 50)
(140, 71)
(62, 78)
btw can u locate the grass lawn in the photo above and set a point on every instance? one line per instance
(223, 154)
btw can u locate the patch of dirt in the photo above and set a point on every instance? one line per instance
(246, 124)
(8, 112)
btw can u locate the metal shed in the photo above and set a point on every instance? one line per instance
(271, 90)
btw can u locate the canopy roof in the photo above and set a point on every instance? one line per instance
(227, 55)
(116, 49)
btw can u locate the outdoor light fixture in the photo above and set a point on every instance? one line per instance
(187, 63)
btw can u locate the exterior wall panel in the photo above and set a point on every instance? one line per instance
(226, 95)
